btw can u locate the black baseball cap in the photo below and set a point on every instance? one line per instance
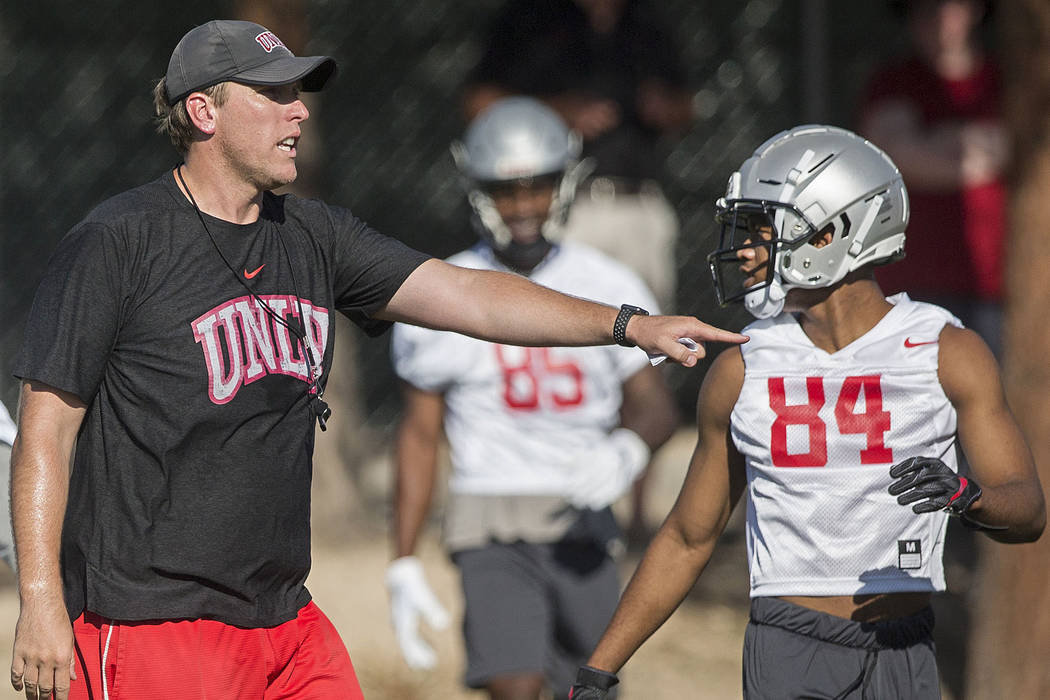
(245, 52)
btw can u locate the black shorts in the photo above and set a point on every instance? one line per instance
(534, 608)
(794, 652)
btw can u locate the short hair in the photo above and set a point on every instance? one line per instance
(174, 121)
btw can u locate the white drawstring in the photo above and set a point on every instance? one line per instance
(105, 653)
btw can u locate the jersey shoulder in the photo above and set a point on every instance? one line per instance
(586, 272)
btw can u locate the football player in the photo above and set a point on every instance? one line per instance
(542, 440)
(840, 420)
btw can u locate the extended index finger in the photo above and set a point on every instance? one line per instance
(714, 334)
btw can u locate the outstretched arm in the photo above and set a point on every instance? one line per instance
(682, 547)
(994, 446)
(48, 422)
(506, 308)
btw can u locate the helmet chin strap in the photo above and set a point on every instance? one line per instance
(767, 301)
(488, 223)
(564, 194)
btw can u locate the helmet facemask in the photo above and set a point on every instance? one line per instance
(750, 242)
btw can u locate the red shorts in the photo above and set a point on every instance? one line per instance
(301, 659)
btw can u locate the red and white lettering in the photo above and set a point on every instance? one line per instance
(242, 343)
(269, 41)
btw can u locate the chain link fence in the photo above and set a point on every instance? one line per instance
(76, 111)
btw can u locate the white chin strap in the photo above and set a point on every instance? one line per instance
(768, 301)
(490, 218)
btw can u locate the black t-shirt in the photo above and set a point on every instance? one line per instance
(547, 47)
(190, 492)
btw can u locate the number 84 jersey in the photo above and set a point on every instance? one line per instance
(819, 433)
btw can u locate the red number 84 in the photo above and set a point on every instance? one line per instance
(874, 421)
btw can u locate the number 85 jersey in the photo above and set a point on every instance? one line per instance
(520, 420)
(819, 432)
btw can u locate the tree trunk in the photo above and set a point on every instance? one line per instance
(1010, 645)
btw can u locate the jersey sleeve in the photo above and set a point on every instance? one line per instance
(368, 269)
(7, 426)
(427, 359)
(76, 313)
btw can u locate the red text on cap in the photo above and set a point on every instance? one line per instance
(269, 41)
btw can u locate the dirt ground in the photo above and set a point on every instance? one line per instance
(695, 655)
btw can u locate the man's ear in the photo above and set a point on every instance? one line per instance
(201, 111)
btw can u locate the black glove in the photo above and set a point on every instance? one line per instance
(592, 684)
(931, 485)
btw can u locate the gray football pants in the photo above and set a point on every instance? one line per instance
(794, 652)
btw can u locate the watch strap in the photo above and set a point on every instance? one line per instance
(620, 326)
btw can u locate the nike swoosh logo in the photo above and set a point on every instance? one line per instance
(253, 273)
(909, 344)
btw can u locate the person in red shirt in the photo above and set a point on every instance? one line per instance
(937, 114)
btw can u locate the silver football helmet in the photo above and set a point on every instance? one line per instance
(518, 138)
(797, 188)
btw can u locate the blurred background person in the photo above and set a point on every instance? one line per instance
(610, 68)
(937, 112)
(543, 440)
(7, 440)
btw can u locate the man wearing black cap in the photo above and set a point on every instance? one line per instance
(177, 355)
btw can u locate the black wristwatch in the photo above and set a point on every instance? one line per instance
(620, 327)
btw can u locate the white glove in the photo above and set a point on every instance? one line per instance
(411, 597)
(605, 472)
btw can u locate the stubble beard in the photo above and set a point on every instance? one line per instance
(252, 171)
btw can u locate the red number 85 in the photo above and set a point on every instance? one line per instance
(524, 380)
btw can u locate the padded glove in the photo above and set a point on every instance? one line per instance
(592, 684)
(410, 598)
(605, 472)
(931, 485)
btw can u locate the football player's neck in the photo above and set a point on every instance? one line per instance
(841, 314)
(523, 258)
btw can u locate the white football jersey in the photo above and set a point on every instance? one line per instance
(516, 417)
(819, 433)
(7, 426)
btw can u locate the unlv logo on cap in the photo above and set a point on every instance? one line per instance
(269, 41)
